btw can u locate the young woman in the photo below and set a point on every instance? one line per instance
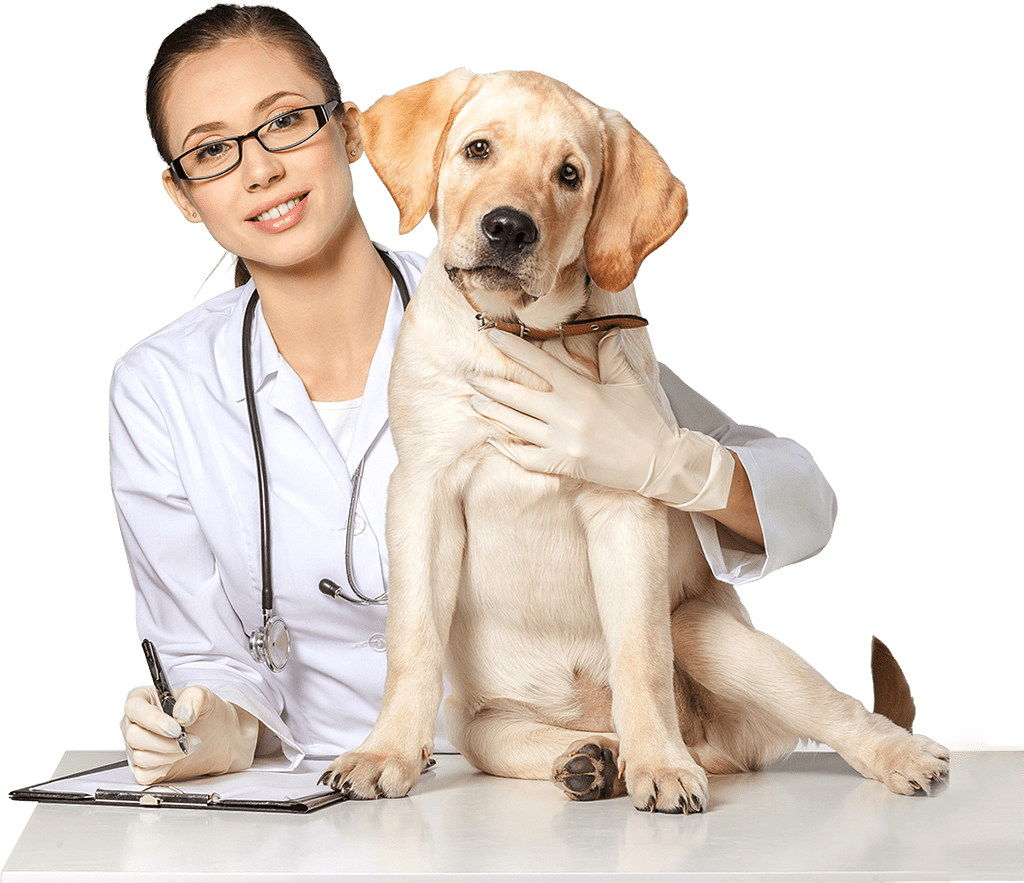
(248, 116)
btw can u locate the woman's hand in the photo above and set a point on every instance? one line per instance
(221, 736)
(612, 433)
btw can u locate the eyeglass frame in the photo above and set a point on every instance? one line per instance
(323, 114)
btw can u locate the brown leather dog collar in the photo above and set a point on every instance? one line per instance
(566, 329)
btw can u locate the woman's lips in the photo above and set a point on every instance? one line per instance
(280, 216)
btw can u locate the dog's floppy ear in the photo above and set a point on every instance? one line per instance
(639, 205)
(403, 135)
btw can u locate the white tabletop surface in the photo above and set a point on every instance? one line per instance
(809, 818)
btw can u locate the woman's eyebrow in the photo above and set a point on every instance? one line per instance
(273, 99)
(261, 106)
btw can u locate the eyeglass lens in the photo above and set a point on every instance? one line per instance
(280, 133)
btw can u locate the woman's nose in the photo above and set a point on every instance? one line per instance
(260, 167)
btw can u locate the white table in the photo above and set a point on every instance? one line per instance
(810, 818)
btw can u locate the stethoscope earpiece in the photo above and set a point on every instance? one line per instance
(332, 589)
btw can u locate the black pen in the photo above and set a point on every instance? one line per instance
(163, 689)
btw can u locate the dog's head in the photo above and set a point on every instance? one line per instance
(531, 188)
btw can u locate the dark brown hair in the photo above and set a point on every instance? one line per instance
(210, 29)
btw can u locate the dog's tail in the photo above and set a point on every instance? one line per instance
(892, 692)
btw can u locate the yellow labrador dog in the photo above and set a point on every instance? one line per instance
(582, 632)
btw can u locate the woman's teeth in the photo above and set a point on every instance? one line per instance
(278, 210)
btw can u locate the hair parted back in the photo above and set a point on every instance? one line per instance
(212, 28)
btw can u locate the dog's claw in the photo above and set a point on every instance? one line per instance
(330, 778)
(676, 790)
(912, 764)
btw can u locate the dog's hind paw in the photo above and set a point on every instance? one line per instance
(589, 770)
(914, 764)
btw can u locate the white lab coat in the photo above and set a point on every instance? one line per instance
(184, 483)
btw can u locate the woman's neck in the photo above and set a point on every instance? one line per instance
(327, 316)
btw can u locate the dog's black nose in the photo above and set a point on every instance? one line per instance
(509, 231)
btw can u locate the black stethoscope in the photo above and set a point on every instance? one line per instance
(271, 643)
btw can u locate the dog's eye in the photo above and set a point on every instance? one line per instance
(478, 150)
(569, 175)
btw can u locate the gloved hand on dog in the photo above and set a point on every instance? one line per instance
(221, 736)
(610, 433)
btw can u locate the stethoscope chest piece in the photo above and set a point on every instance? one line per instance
(271, 643)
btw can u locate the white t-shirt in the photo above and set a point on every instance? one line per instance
(340, 421)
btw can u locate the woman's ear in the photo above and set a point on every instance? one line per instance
(350, 116)
(178, 196)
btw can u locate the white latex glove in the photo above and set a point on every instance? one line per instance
(610, 433)
(221, 736)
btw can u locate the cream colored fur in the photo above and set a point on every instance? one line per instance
(563, 613)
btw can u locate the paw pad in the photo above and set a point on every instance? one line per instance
(589, 774)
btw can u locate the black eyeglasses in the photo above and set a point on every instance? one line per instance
(286, 130)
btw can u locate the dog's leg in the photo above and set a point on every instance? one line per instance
(627, 539)
(753, 671)
(505, 738)
(426, 535)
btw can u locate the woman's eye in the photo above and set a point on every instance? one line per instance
(569, 175)
(285, 121)
(211, 151)
(478, 150)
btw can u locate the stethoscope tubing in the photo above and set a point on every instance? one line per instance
(266, 571)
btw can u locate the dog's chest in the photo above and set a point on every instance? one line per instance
(525, 611)
(526, 559)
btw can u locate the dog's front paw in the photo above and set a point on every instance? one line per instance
(913, 764)
(589, 770)
(365, 775)
(676, 790)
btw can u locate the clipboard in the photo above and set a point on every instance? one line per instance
(261, 788)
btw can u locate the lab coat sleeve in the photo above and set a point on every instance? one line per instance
(181, 604)
(795, 504)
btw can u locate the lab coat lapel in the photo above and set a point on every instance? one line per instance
(277, 385)
(289, 396)
(228, 346)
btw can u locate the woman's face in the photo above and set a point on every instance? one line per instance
(229, 91)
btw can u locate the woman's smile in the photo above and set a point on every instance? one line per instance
(279, 214)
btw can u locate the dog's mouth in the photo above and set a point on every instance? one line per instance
(490, 278)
